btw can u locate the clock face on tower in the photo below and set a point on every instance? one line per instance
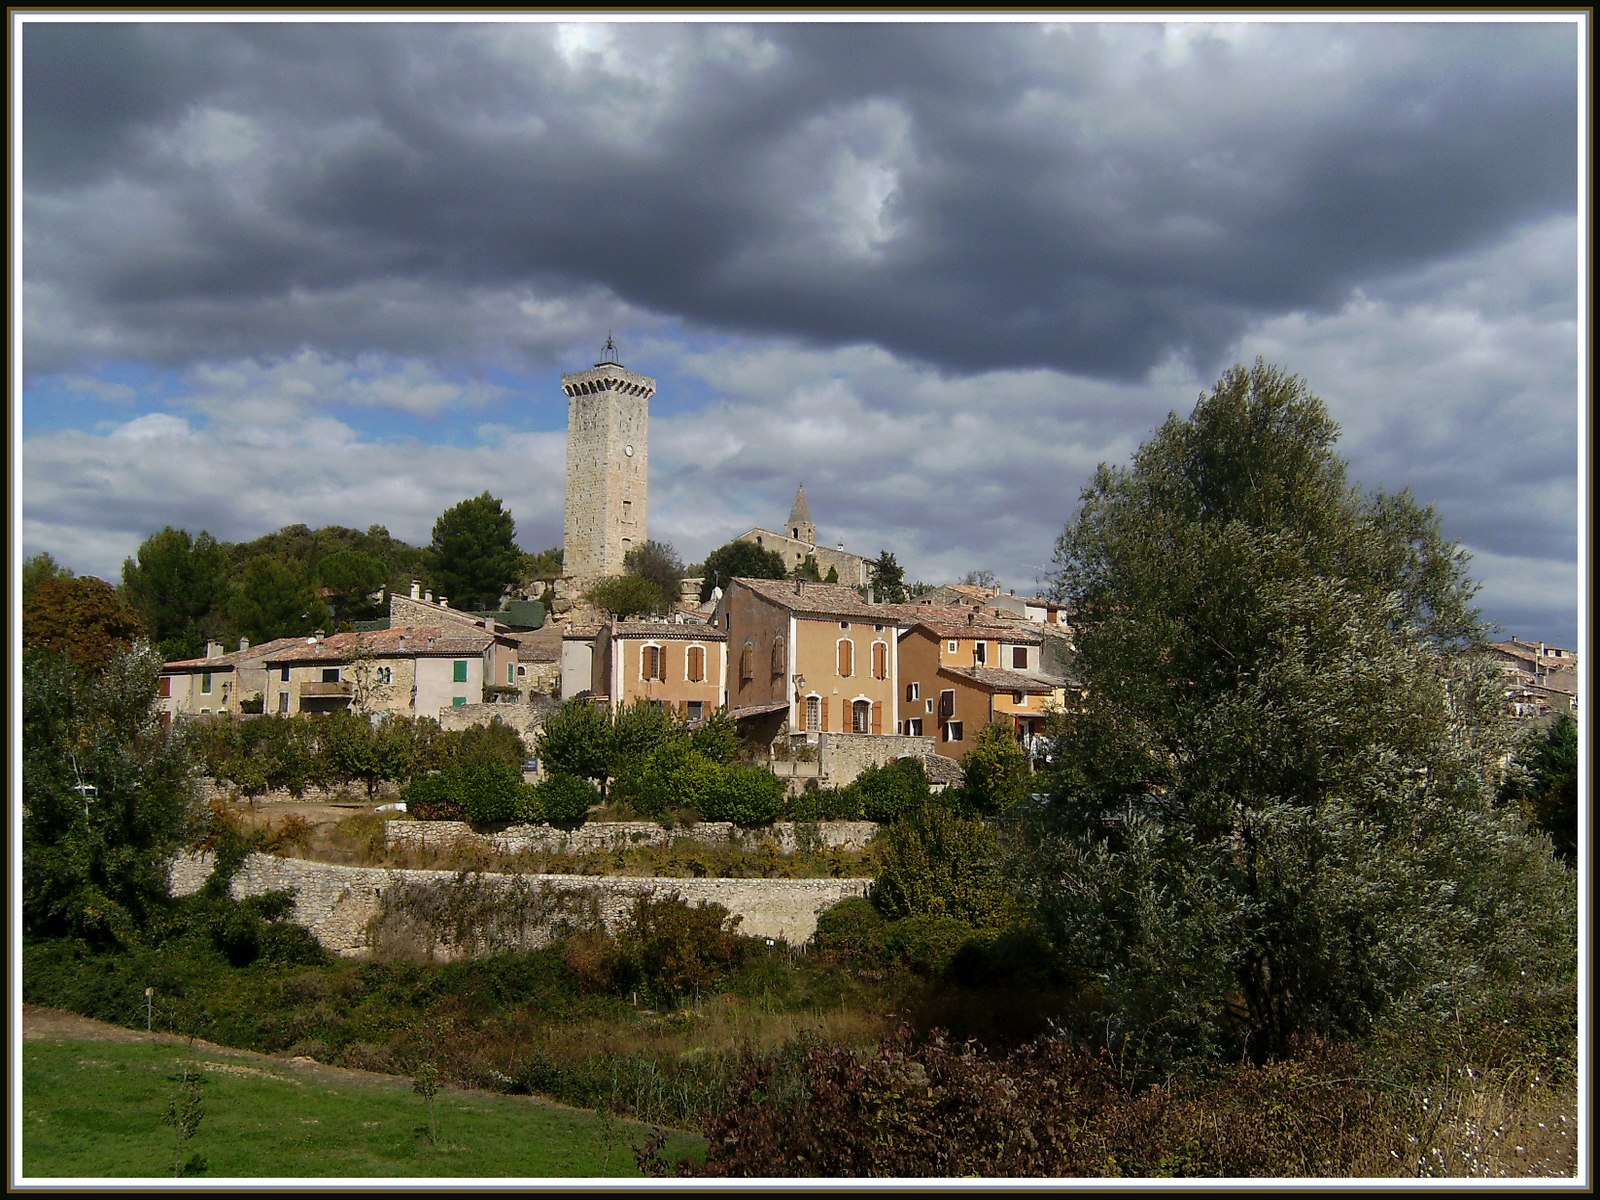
(628, 450)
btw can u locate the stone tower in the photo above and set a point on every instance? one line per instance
(800, 526)
(608, 466)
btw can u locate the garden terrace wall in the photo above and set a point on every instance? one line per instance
(616, 835)
(338, 903)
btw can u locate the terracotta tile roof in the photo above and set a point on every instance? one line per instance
(745, 711)
(580, 632)
(228, 662)
(999, 679)
(686, 630)
(818, 599)
(405, 642)
(1022, 633)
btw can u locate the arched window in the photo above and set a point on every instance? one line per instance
(747, 663)
(695, 664)
(811, 714)
(847, 658)
(861, 716)
(880, 660)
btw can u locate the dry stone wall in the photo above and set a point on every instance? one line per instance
(338, 904)
(614, 835)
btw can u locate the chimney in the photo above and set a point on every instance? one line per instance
(244, 643)
(213, 649)
(416, 589)
(869, 591)
(428, 595)
(797, 587)
(442, 603)
(972, 618)
(488, 624)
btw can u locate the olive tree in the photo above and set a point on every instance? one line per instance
(1270, 815)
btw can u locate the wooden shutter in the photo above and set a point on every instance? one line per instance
(825, 714)
(877, 716)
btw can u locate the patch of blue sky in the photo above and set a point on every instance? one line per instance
(97, 400)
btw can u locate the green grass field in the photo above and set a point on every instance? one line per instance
(93, 1109)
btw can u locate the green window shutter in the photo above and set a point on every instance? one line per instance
(461, 671)
(457, 701)
(511, 672)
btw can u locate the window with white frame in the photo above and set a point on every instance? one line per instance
(847, 658)
(1019, 658)
(861, 716)
(813, 713)
(653, 663)
(385, 674)
(694, 669)
(913, 691)
(952, 731)
(980, 652)
(880, 660)
(914, 726)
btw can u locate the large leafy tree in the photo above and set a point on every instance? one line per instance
(176, 584)
(888, 578)
(1543, 784)
(475, 554)
(658, 564)
(349, 578)
(38, 569)
(1271, 813)
(107, 797)
(736, 560)
(82, 616)
(272, 597)
(623, 596)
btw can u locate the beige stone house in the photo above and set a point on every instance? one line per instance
(962, 671)
(816, 655)
(680, 664)
(411, 671)
(217, 684)
(1541, 680)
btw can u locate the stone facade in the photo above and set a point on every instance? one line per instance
(338, 904)
(608, 467)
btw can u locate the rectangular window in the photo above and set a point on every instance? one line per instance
(927, 706)
(696, 711)
(880, 660)
(283, 675)
(457, 701)
(952, 646)
(330, 674)
(205, 681)
(952, 731)
(1020, 699)
(1019, 658)
(980, 652)
(913, 691)
(652, 663)
(511, 673)
(695, 664)
(847, 658)
(283, 702)
(813, 714)
(947, 704)
(166, 686)
(460, 675)
(914, 727)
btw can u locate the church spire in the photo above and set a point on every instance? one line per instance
(801, 527)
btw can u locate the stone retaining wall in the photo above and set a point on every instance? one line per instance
(337, 903)
(611, 835)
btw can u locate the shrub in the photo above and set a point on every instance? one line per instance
(747, 796)
(565, 799)
(893, 790)
(824, 804)
(673, 949)
(852, 931)
(937, 863)
(486, 791)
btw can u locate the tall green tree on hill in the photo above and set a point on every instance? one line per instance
(888, 579)
(739, 559)
(1271, 814)
(658, 564)
(272, 597)
(475, 554)
(177, 584)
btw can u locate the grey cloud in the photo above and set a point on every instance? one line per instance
(1016, 233)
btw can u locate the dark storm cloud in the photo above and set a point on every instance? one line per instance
(1089, 199)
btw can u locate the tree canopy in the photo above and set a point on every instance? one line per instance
(177, 583)
(657, 564)
(81, 616)
(475, 554)
(888, 579)
(739, 559)
(1270, 814)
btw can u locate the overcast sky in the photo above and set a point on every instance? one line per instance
(332, 273)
